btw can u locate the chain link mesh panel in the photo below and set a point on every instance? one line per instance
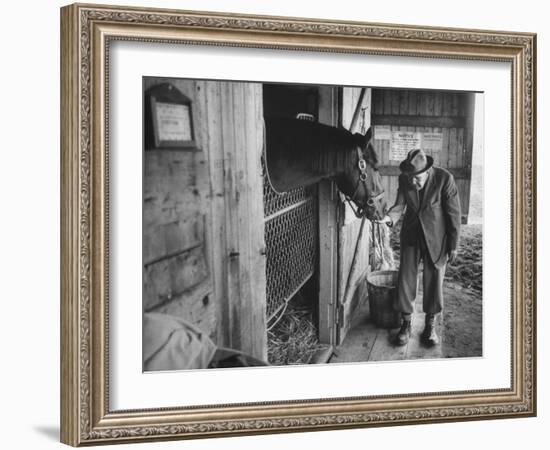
(291, 242)
(274, 202)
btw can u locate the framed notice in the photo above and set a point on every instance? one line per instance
(170, 116)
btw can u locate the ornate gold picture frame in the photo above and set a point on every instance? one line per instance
(87, 33)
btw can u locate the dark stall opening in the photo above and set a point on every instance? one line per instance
(291, 235)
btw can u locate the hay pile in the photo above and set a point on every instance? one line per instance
(382, 255)
(293, 340)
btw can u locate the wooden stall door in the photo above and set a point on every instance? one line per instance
(441, 121)
(339, 228)
(352, 241)
(232, 129)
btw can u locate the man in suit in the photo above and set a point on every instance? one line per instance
(428, 197)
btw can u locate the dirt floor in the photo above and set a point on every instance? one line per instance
(463, 300)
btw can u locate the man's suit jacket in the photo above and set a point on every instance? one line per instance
(438, 215)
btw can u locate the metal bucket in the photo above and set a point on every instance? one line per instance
(381, 288)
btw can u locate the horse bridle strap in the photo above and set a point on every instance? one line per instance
(360, 211)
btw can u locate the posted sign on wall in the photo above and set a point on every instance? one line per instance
(432, 142)
(402, 142)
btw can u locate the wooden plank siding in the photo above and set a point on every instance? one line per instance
(176, 271)
(203, 218)
(449, 113)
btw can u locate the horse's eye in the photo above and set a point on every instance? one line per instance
(370, 202)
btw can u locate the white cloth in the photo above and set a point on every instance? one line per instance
(171, 343)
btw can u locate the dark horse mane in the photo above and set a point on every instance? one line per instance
(300, 152)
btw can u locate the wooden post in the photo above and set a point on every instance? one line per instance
(468, 154)
(210, 103)
(328, 260)
(328, 231)
(245, 264)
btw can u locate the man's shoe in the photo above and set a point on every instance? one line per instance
(404, 333)
(429, 335)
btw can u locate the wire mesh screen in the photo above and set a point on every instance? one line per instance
(291, 243)
(274, 202)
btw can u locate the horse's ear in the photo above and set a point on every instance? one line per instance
(372, 156)
(368, 135)
(361, 140)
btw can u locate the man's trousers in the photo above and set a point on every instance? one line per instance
(411, 255)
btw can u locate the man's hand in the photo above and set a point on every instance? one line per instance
(386, 220)
(452, 256)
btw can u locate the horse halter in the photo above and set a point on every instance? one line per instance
(361, 210)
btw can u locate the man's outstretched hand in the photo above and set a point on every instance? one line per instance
(386, 220)
(452, 256)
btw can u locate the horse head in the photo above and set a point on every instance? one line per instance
(299, 153)
(361, 182)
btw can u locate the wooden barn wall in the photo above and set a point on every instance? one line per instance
(177, 277)
(202, 219)
(448, 113)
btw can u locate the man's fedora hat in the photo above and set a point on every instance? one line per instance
(417, 162)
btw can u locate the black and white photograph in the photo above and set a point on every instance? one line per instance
(266, 225)
(289, 224)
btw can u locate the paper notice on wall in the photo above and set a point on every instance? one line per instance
(432, 142)
(174, 122)
(402, 142)
(382, 132)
